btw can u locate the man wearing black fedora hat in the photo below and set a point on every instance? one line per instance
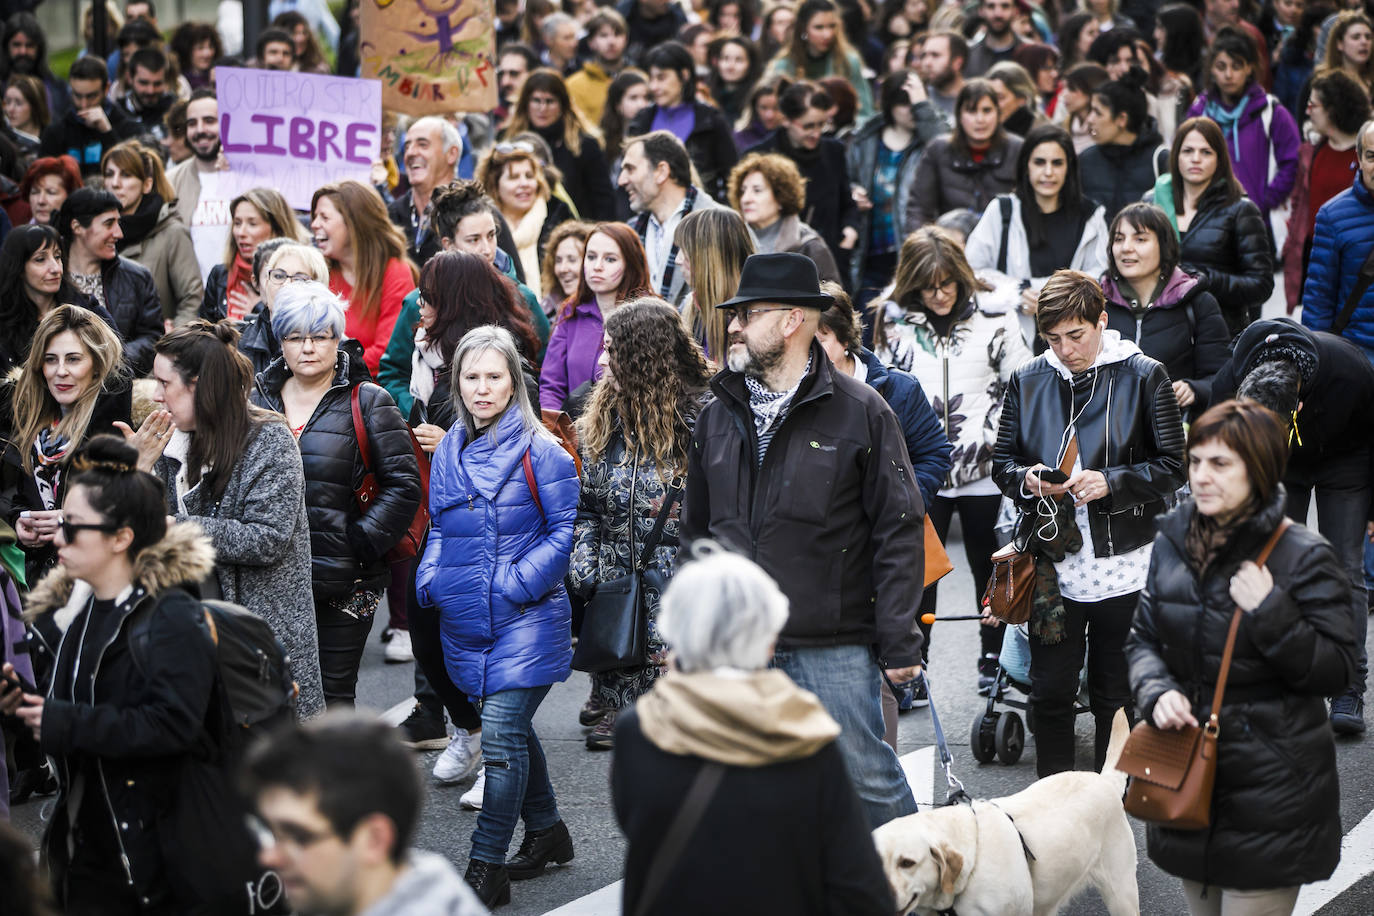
(805, 470)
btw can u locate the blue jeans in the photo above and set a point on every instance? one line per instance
(847, 680)
(517, 776)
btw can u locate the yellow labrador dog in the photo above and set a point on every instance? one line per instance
(971, 858)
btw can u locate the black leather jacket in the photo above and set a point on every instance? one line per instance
(1129, 429)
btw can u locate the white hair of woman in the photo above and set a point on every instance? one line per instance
(307, 309)
(499, 340)
(721, 611)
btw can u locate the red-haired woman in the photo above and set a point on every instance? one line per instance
(614, 269)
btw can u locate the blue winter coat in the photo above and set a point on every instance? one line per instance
(1342, 238)
(494, 565)
(926, 443)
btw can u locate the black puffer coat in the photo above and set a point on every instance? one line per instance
(1115, 175)
(830, 206)
(1182, 328)
(1227, 248)
(947, 178)
(1276, 805)
(347, 546)
(586, 176)
(131, 297)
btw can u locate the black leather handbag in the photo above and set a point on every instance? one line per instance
(615, 625)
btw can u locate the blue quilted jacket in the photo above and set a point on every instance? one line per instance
(494, 565)
(1342, 239)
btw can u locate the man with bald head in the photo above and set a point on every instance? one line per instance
(432, 150)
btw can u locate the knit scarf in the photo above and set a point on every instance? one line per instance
(1229, 121)
(138, 225)
(1206, 537)
(240, 273)
(526, 232)
(425, 365)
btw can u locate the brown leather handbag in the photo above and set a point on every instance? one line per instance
(1011, 588)
(938, 564)
(1173, 771)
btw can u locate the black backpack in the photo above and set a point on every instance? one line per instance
(254, 684)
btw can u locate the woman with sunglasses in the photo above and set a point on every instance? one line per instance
(128, 697)
(314, 384)
(70, 388)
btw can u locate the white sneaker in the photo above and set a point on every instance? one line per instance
(472, 798)
(460, 758)
(398, 648)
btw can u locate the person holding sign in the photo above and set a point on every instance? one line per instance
(367, 262)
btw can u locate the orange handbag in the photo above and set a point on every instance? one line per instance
(937, 558)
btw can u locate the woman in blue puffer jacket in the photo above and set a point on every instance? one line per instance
(503, 500)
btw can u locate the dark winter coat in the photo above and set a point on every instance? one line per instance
(926, 442)
(131, 297)
(19, 490)
(862, 163)
(1182, 328)
(788, 837)
(14, 345)
(1133, 436)
(495, 560)
(347, 545)
(1276, 803)
(948, 179)
(830, 207)
(586, 176)
(834, 512)
(710, 145)
(129, 728)
(1336, 392)
(1115, 175)
(1341, 240)
(214, 303)
(257, 341)
(70, 136)
(1227, 248)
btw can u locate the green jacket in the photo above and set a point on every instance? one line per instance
(394, 372)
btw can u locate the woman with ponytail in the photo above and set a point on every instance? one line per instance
(235, 470)
(1128, 153)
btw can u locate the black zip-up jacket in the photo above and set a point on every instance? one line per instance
(1129, 429)
(1276, 804)
(833, 513)
(347, 546)
(1115, 175)
(1227, 248)
(131, 297)
(710, 145)
(830, 207)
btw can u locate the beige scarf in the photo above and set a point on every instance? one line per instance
(526, 234)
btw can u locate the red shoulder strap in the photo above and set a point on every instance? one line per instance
(360, 428)
(529, 479)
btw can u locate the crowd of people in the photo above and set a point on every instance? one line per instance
(738, 305)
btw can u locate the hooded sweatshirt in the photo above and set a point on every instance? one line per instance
(429, 886)
(1084, 576)
(738, 718)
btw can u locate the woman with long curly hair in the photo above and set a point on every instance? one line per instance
(614, 270)
(634, 439)
(368, 265)
(712, 248)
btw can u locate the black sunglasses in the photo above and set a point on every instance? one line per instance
(70, 529)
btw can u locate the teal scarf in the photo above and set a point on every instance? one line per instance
(1229, 121)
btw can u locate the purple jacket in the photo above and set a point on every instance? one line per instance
(1252, 165)
(574, 348)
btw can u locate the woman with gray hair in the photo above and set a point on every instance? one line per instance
(503, 499)
(723, 736)
(314, 384)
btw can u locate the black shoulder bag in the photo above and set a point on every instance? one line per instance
(615, 625)
(1363, 280)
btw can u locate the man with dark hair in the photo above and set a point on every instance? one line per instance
(513, 65)
(1090, 448)
(650, 23)
(999, 39)
(607, 39)
(1322, 386)
(148, 100)
(24, 49)
(275, 50)
(941, 65)
(202, 207)
(133, 36)
(657, 176)
(344, 789)
(93, 124)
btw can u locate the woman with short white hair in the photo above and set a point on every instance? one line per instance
(739, 744)
(314, 384)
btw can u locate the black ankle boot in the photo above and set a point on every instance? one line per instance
(491, 882)
(538, 849)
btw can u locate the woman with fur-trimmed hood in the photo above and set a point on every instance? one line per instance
(131, 672)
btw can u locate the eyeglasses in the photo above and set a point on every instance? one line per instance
(277, 275)
(289, 836)
(743, 314)
(519, 146)
(300, 340)
(70, 529)
(940, 289)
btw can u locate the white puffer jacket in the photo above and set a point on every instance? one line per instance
(964, 375)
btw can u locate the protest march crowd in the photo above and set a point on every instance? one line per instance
(674, 367)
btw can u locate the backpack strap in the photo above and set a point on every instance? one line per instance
(1363, 280)
(1267, 121)
(534, 486)
(1004, 201)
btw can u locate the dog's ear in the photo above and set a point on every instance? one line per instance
(949, 864)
